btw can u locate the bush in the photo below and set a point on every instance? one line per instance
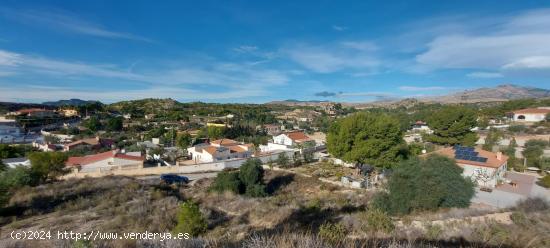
(378, 220)
(282, 160)
(251, 172)
(429, 184)
(48, 165)
(545, 181)
(248, 180)
(228, 181)
(333, 233)
(256, 190)
(190, 220)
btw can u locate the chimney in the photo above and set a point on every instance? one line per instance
(499, 155)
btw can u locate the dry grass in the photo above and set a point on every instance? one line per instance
(289, 217)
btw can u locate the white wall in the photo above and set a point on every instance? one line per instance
(495, 175)
(530, 117)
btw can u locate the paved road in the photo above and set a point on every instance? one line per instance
(192, 177)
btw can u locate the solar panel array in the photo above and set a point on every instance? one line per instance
(468, 153)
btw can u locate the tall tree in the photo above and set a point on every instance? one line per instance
(114, 124)
(47, 165)
(367, 138)
(452, 125)
(183, 140)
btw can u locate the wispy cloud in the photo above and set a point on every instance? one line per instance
(60, 20)
(339, 28)
(518, 42)
(419, 88)
(332, 58)
(182, 80)
(481, 74)
(354, 94)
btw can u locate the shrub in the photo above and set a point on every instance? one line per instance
(545, 181)
(227, 181)
(333, 233)
(520, 219)
(251, 172)
(378, 220)
(425, 185)
(256, 190)
(48, 165)
(248, 180)
(282, 159)
(190, 220)
(433, 231)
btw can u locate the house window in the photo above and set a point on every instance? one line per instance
(521, 117)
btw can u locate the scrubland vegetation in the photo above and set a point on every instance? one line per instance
(298, 212)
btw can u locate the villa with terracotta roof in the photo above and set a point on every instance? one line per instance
(485, 168)
(530, 114)
(104, 161)
(295, 140)
(92, 143)
(219, 150)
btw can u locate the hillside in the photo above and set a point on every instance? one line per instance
(292, 216)
(292, 102)
(499, 93)
(496, 94)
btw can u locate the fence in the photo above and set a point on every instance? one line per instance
(198, 168)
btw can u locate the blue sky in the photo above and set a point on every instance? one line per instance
(258, 51)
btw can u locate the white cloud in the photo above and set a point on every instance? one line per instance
(533, 62)
(339, 28)
(481, 74)
(327, 59)
(56, 19)
(8, 58)
(185, 80)
(417, 88)
(39, 93)
(361, 45)
(519, 42)
(245, 49)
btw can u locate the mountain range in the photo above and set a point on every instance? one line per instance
(499, 93)
(70, 102)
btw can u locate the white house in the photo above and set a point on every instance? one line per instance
(104, 161)
(487, 169)
(530, 114)
(295, 140)
(219, 150)
(13, 162)
(420, 126)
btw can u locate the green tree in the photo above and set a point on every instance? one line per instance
(114, 124)
(452, 125)
(533, 155)
(367, 138)
(93, 124)
(190, 220)
(282, 159)
(10, 151)
(227, 181)
(492, 139)
(183, 140)
(251, 172)
(215, 132)
(47, 165)
(435, 182)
